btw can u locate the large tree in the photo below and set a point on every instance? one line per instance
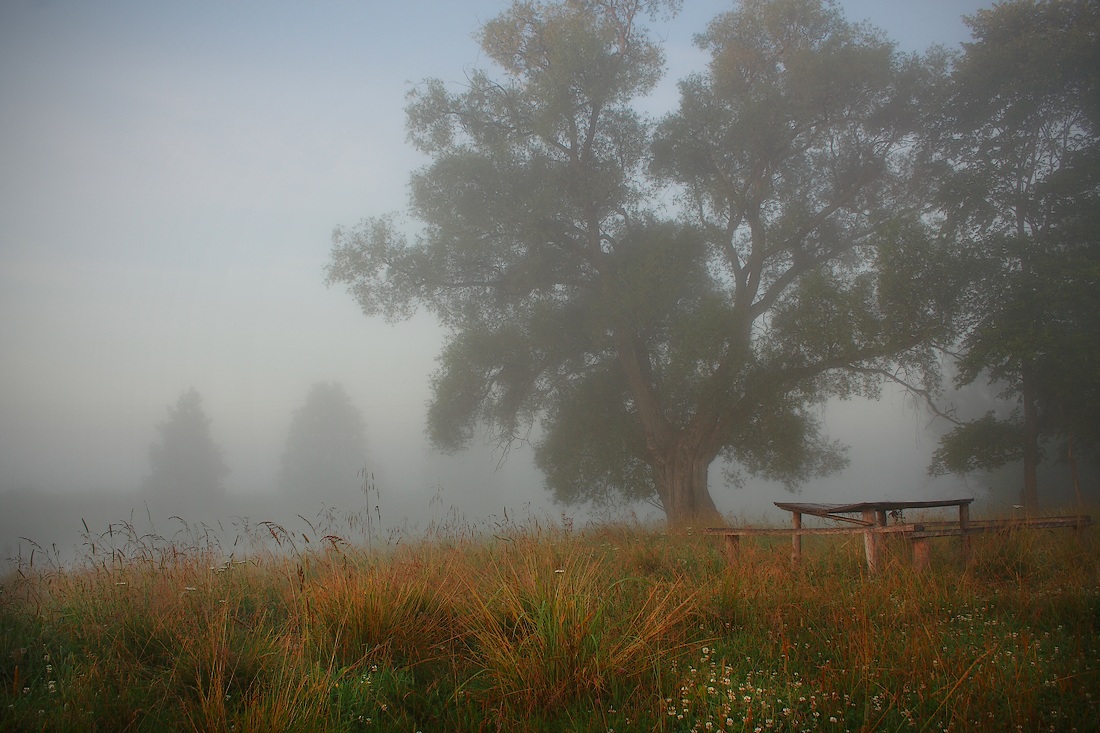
(658, 297)
(186, 463)
(325, 451)
(1021, 135)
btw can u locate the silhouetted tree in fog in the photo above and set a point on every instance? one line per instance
(1020, 137)
(326, 446)
(650, 336)
(186, 462)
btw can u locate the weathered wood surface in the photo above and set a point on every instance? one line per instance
(873, 530)
(783, 532)
(946, 529)
(860, 506)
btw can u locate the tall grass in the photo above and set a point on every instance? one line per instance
(535, 628)
(556, 627)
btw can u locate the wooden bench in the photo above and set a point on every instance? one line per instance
(922, 533)
(873, 525)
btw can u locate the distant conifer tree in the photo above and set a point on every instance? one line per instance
(186, 462)
(325, 449)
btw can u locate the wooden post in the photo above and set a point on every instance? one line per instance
(922, 551)
(796, 538)
(871, 541)
(964, 525)
(731, 546)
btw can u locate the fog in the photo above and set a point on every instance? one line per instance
(170, 174)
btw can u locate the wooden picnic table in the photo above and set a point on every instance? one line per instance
(872, 523)
(873, 515)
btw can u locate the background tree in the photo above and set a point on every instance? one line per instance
(325, 449)
(648, 347)
(186, 463)
(1020, 137)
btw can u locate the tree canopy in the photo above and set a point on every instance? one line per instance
(1020, 136)
(659, 295)
(186, 463)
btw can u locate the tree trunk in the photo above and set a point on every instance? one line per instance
(1030, 496)
(679, 458)
(1071, 457)
(1074, 477)
(681, 476)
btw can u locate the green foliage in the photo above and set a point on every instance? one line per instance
(525, 628)
(592, 451)
(1021, 135)
(983, 444)
(785, 443)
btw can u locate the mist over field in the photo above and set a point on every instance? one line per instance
(170, 175)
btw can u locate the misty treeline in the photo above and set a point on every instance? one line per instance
(820, 216)
(324, 454)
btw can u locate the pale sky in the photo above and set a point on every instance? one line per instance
(170, 175)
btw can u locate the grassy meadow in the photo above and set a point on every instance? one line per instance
(530, 627)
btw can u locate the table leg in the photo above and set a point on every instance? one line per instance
(921, 553)
(964, 525)
(732, 549)
(871, 541)
(796, 538)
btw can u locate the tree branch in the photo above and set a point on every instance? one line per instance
(922, 393)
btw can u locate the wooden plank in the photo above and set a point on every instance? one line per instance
(777, 532)
(945, 532)
(1004, 525)
(796, 538)
(1077, 520)
(930, 529)
(732, 550)
(819, 509)
(979, 524)
(871, 545)
(842, 518)
(964, 525)
(922, 553)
